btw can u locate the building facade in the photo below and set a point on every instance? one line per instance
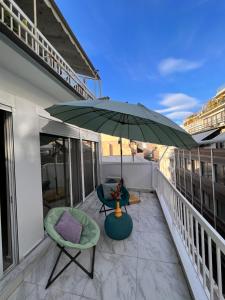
(44, 162)
(200, 173)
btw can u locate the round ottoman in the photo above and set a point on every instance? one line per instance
(118, 228)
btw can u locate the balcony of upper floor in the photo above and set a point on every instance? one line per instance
(172, 252)
(41, 38)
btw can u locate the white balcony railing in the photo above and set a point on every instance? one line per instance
(17, 21)
(203, 247)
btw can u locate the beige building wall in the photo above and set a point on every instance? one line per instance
(166, 162)
(111, 146)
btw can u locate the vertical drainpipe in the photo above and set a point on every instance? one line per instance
(82, 168)
(213, 188)
(200, 180)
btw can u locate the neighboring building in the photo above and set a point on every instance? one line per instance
(166, 162)
(44, 162)
(200, 173)
(211, 116)
(111, 145)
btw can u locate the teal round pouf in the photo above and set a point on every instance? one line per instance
(118, 228)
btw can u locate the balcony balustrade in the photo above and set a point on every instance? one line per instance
(24, 29)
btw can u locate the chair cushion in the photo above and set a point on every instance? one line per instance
(108, 188)
(69, 228)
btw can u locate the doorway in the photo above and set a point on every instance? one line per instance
(7, 208)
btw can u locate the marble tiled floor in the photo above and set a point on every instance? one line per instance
(144, 266)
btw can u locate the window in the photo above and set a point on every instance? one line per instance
(187, 163)
(219, 173)
(195, 166)
(203, 168)
(206, 169)
(55, 171)
(195, 191)
(181, 162)
(207, 200)
(221, 209)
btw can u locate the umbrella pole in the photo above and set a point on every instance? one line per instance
(118, 211)
(121, 159)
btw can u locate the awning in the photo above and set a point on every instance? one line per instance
(55, 28)
(201, 137)
(219, 138)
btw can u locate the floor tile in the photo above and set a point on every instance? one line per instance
(24, 291)
(115, 278)
(159, 280)
(157, 246)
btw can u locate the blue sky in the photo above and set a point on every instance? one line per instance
(166, 54)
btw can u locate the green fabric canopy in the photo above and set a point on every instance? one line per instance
(131, 121)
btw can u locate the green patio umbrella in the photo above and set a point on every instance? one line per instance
(125, 120)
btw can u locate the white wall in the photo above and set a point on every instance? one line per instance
(25, 88)
(28, 175)
(137, 175)
(27, 125)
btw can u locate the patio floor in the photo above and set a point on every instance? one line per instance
(144, 266)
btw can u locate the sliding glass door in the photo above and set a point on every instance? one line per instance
(61, 171)
(88, 167)
(55, 171)
(90, 159)
(8, 238)
(76, 171)
(95, 162)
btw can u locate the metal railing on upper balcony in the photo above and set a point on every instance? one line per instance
(18, 22)
(202, 243)
(210, 124)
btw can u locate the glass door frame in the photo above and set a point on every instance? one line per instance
(11, 192)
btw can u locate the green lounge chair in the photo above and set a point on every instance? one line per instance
(89, 238)
(124, 200)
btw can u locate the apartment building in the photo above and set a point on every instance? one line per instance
(44, 162)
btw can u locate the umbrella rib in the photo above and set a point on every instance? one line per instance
(100, 115)
(135, 119)
(153, 131)
(117, 124)
(178, 137)
(109, 119)
(82, 114)
(68, 110)
(169, 135)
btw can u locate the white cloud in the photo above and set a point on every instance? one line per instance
(179, 115)
(177, 65)
(178, 106)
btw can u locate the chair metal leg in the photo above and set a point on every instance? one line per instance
(103, 209)
(72, 259)
(93, 263)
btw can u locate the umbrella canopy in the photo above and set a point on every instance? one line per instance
(131, 121)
